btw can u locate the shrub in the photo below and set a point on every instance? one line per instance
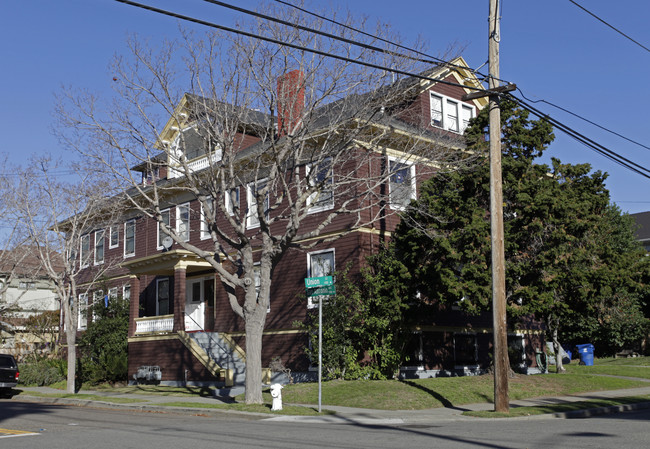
(43, 372)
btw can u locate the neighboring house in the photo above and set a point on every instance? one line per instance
(182, 327)
(642, 234)
(25, 297)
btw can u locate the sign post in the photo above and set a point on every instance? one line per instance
(320, 286)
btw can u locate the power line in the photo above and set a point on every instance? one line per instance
(290, 45)
(343, 25)
(612, 27)
(601, 149)
(604, 151)
(585, 119)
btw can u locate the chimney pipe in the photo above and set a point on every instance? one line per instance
(291, 102)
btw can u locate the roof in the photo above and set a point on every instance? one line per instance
(642, 219)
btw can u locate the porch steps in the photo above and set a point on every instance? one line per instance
(222, 352)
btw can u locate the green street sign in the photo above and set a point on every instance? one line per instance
(325, 290)
(319, 281)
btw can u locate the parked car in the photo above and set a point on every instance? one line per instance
(8, 373)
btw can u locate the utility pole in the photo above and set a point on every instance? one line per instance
(500, 345)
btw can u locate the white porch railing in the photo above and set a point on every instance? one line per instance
(194, 165)
(154, 324)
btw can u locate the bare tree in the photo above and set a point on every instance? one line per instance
(57, 216)
(322, 128)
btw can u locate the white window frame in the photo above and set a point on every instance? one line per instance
(314, 201)
(100, 247)
(446, 113)
(252, 220)
(228, 200)
(114, 236)
(126, 292)
(205, 232)
(413, 187)
(183, 235)
(82, 312)
(312, 272)
(160, 235)
(127, 225)
(98, 296)
(84, 255)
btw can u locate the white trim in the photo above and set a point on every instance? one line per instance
(82, 312)
(205, 232)
(159, 234)
(180, 221)
(127, 223)
(252, 220)
(84, 259)
(444, 117)
(229, 204)
(413, 191)
(113, 230)
(100, 234)
(325, 205)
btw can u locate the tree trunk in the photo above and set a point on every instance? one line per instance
(71, 337)
(557, 349)
(254, 330)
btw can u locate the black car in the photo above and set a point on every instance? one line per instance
(8, 372)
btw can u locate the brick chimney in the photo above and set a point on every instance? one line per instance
(291, 102)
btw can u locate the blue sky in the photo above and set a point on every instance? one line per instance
(551, 49)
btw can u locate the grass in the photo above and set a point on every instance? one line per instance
(417, 394)
(90, 397)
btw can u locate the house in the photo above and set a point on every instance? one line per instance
(29, 319)
(183, 272)
(642, 219)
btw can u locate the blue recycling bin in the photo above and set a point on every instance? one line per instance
(586, 354)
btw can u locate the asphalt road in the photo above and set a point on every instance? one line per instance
(55, 426)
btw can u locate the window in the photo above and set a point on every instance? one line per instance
(205, 227)
(258, 284)
(98, 298)
(232, 200)
(322, 177)
(252, 220)
(465, 350)
(162, 296)
(445, 113)
(183, 221)
(99, 247)
(126, 292)
(26, 285)
(129, 238)
(82, 310)
(164, 216)
(84, 250)
(114, 236)
(401, 188)
(320, 263)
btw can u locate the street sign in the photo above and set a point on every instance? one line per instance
(319, 281)
(325, 290)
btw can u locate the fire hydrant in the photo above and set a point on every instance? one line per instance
(276, 394)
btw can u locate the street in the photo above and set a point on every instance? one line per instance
(58, 426)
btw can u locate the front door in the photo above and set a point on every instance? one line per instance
(194, 306)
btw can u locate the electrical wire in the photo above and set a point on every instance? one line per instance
(612, 27)
(584, 119)
(604, 151)
(290, 45)
(343, 25)
(598, 148)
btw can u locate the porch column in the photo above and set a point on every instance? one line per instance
(179, 297)
(134, 304)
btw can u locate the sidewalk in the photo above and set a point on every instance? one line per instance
(343, 415)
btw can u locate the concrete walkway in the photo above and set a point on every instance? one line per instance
(342, 415)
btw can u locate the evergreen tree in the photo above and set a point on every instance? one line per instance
(571, 258)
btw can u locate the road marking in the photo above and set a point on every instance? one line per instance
(9, 433)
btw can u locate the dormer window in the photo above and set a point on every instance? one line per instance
(194, 148)
(450, 114)
(150, 176)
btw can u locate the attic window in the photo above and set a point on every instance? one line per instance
(450, 114)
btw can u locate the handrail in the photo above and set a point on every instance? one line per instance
(229, 357)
